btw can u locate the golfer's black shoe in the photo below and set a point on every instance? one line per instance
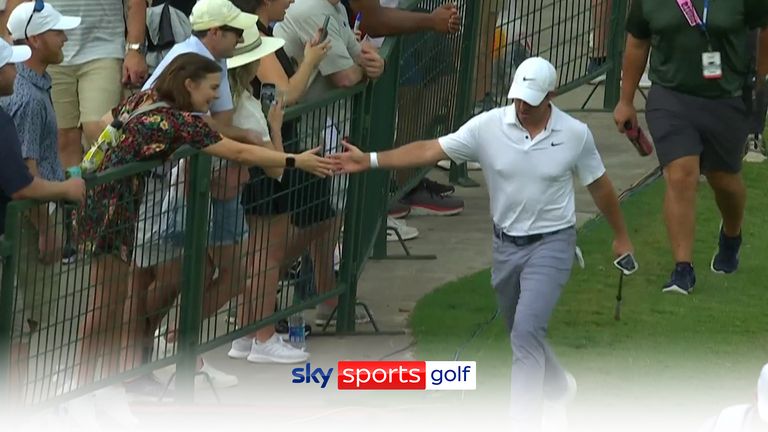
(682, 280)
(726, 260)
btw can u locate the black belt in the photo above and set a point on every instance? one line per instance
(526, 240)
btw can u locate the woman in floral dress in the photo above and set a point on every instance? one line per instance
(106, 225)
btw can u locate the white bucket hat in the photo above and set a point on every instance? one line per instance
(254, 47)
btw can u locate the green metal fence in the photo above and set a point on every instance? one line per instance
(177, 292)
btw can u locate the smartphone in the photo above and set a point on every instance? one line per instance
(639, 139)
(268, 97)
(324, 32)
(626, 263)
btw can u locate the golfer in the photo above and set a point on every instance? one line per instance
(529, 152)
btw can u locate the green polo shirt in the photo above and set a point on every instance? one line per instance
(676, 47)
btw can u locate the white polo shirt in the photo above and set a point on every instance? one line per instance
(530, 182)
(195, 45)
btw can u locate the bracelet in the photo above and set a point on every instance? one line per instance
(374, 160)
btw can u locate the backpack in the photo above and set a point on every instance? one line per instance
(166, 26)
(110, 137)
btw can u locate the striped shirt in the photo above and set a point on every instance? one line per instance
(101, 33)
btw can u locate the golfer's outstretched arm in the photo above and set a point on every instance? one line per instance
(419, 153)
(415, 154)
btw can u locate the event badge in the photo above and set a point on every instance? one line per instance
(712, 65)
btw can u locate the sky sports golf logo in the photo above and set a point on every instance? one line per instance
(392, 375)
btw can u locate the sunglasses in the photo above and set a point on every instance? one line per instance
(39, 5)
(238, 32)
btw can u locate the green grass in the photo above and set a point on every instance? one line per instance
(716, 338)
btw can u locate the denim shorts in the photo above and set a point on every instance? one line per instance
(228, 224)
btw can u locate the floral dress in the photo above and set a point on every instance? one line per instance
(107, 221)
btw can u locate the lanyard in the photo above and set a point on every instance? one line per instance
(686, 6)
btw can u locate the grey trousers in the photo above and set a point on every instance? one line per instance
(528, 281)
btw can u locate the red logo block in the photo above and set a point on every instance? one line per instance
(382, 375)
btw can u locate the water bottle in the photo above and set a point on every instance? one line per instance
(296, 332)
(74, 172)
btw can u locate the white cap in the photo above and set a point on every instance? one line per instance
(254, 47)
(762, 394)
(534, 78)
(46, 18)
(207, 14)
(13, 54)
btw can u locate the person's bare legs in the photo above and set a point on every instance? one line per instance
(601, 27)
(100, 330)
(269, 241)
(70, 147)
(484, 67)
(731, 198)
(19, 366)
(682, 178)
(321, 248)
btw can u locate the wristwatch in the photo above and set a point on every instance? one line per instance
(133, 47)
(290, 162)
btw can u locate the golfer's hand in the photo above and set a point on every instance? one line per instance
(352, 160)
(622, 245)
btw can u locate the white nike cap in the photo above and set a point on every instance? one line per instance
(13, 54)
(534, 78)
(34, 18)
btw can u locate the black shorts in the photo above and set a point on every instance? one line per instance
(684, 125)
(263, 195)
(309, 198)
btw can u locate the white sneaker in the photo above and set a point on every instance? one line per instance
(218, 378)
(240, 348)
(405, 231)
(275, 350)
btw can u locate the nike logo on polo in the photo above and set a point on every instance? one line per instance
(529, 79)
(555, 144)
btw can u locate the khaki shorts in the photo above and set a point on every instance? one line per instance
(84, 93)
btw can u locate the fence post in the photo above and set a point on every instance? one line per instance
(9, 255)
(382, 137)
(191, 304)
(360, 198)
(615, 54)
(470, 38)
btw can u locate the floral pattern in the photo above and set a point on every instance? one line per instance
(107, 221)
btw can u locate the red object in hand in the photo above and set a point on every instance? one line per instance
(639, 139)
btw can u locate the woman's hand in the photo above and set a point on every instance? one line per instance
(315, 52)
(320, 166)
(275, 115)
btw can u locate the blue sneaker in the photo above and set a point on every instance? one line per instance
(682, 280)
(726, 260)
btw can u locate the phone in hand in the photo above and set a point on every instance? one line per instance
(626, 263)
(268, 97)
(324, 31)
(639, 139)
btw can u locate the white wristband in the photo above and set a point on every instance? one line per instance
(374, 160)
